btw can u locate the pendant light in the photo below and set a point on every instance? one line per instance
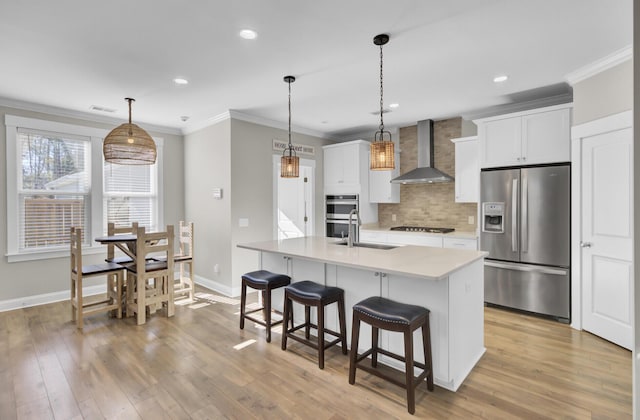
(129, 144)
(289, 162)
(382, 151)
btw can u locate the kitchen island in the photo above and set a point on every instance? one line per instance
(449, 282)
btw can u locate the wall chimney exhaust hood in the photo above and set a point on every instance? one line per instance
(425, 173)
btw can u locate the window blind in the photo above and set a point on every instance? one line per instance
(53, 186)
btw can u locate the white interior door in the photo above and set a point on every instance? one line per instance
(294, 202)
(607, 235)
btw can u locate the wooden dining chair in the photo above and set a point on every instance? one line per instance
(112, 229)
(184, 283)
(81, 306)
(149, 281)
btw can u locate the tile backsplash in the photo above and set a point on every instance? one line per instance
(429, 204)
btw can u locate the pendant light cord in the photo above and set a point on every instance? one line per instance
(290, 146)
(381, 95)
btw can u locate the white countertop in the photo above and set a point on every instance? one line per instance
(455, 234)
(408, 260)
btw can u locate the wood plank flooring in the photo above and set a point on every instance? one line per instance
(186, 367)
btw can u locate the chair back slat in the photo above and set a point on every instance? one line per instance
(75, 243)
(112, 229)
(185, 238)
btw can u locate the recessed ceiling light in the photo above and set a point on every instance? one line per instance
(501, 78)
(394, 105)
(248, 34)
(180, 81)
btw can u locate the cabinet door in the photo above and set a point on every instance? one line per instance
(381, 190)
(415, 239)
(500, 142)
(546, 137)
(350, 164)
(460, 243)
(358, 285)
(333, 166)
(467, 182)
(372, 236)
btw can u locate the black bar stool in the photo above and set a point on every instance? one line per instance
(389, 315)
(265, 281)
(310, 294)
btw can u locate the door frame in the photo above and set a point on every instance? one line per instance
(276, 173)
(604, 125)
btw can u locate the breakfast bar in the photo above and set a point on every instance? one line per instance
(449, 282)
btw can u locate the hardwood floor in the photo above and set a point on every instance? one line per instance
(187, 367)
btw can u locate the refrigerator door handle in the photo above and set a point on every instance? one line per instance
(525, 216)
(528, 268)
(514, 216)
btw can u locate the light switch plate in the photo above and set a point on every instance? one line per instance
(242, 222)
(471, 220)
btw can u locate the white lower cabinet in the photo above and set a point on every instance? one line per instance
(455, 304)
(460, 243)
(373, 236)
(298, 270)
(395, 238)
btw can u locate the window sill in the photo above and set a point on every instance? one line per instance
(47, 255)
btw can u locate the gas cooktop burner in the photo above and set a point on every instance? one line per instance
(422, 229)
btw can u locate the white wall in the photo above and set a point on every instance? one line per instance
(20, 282)
(238, 157)
(207, 155)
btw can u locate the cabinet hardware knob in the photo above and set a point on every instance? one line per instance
(586, 244)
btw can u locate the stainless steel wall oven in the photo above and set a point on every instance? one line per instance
(337, 208)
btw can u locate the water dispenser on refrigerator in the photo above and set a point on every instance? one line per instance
(493, 217)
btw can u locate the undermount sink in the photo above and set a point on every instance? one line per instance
(368, 245)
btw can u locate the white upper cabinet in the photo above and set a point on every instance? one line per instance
(467, 178)
(381, 190)
(341, 165)
(526, 138)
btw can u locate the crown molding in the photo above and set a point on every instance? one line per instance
(600, 65)
(241, 116)
(565, 98)
(85, 116)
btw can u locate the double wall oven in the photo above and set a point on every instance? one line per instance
(337, 209)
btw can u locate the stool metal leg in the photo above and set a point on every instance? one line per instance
(408, 354)
(355, 336)
(243, 302)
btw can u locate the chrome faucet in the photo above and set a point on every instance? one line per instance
(352, 229)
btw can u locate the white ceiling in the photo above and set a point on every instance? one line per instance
(439, 63)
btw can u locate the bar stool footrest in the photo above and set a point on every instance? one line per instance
(310, 342)
(261, 322)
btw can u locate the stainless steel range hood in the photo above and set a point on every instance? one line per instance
(425, 172)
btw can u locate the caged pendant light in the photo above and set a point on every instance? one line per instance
(129, 144)
(382, 151)
(289, 162)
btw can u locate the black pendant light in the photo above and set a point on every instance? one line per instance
(289, 162)
(382, 151)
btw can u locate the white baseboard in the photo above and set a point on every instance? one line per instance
(218, 287)
(35, 300)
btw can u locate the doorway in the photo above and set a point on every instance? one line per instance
(294, 201)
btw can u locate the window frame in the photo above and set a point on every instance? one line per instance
(95, 207)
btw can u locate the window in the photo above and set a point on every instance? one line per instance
(57, 178)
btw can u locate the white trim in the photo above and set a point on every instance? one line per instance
(578, 133)
(523, 113)
(598, 66)
(603, 125)
(35, 300)
(241, 116)
(95, 198)
(217, 287)
(85, 116)
(199, 125)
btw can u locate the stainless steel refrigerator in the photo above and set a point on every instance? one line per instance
(525, 228)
